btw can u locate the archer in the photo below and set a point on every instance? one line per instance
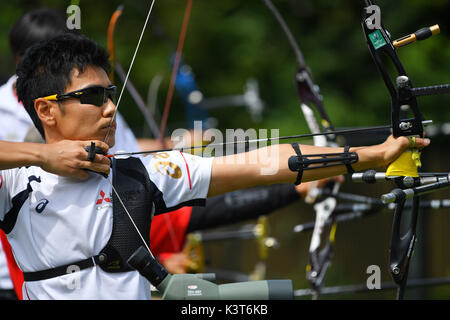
(64, 86)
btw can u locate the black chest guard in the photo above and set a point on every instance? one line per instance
(132, 183)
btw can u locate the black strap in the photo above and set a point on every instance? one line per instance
(300, 170)
(347, 163)
(62, 270)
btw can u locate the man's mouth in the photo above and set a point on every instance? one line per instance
(111, 126)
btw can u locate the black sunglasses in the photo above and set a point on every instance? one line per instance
(95, 95)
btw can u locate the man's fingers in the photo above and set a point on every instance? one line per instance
(421, 142)
(99, 158)
(81, 174)
(412, 142)
(95, 166)
(98, 144)
(100, 163)
(104, 146)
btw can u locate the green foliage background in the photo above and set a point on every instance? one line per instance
(230, 41)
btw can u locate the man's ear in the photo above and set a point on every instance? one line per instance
(46, 111)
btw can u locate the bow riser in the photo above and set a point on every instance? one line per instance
(379, 42)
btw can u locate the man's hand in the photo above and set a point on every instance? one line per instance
(69, 158)
(381, 155)
(396, 146)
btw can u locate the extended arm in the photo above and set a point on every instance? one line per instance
(269, 165)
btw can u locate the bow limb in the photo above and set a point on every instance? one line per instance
(401, 246)
(110, 38)
(165, 115)
(117, 68)
(176, 64)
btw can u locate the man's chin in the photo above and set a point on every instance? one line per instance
(111, 141)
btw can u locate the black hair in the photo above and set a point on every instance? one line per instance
(35, 26)
(46, 68)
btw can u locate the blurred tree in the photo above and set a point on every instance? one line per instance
(231, 41)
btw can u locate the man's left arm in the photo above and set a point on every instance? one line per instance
(250, 169)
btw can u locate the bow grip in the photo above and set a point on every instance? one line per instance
(406, 165)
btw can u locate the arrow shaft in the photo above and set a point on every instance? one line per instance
(298, 136)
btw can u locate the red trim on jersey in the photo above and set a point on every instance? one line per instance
(187, 168)
(15, 94)
(14, 271)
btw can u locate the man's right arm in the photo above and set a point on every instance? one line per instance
(65, 158)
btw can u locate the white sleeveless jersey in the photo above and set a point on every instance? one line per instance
(63, 220)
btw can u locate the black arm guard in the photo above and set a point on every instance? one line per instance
(301, 162)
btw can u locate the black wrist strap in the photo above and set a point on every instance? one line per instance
(293, 166)
(347, 162)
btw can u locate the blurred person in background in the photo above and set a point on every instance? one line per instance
(15, 124)
(34, 26)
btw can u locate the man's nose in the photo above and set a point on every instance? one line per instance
(109, 108)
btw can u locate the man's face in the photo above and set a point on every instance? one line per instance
(77, 121)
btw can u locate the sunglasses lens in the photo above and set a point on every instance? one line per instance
(111, 94)
(95, 96)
